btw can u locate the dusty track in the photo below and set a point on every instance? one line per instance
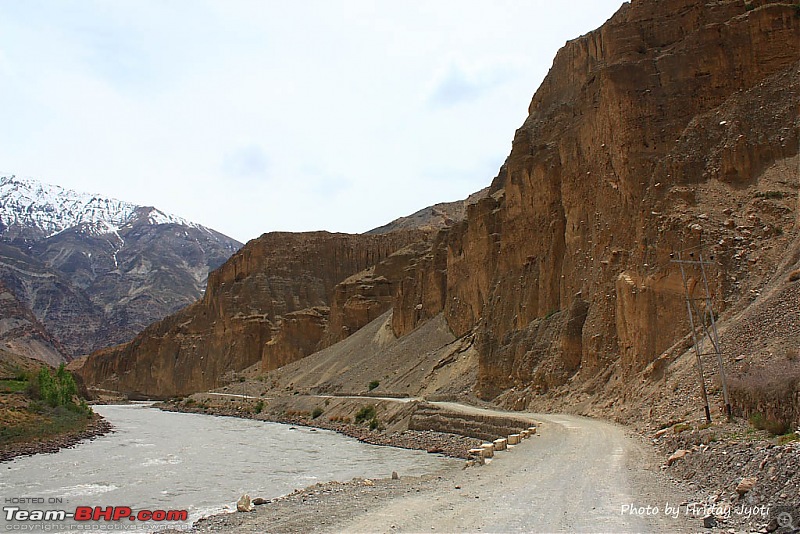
(575, 476)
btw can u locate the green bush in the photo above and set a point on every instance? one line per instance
(365, 414)
(55, 390)
(259, 406)
(316, 412)
(374, 384)
(374, 424)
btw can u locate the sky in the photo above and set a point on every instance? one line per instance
(265, 115)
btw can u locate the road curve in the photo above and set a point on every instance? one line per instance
(577, 475)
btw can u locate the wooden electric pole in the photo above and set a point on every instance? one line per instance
(707, 318)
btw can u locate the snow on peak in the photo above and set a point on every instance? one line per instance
(28, 203)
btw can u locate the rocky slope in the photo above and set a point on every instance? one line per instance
(673, 127)
(269, 303)
(436, 217)
(97, 271)
(22, 336)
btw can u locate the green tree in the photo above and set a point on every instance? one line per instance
(56, 390)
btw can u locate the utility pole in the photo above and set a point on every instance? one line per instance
(706, 318)
(689, 307)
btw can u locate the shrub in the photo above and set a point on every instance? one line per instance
(21, 374)
(374, 384)
(777, 428)
(259, 406)
(316, 412)
(769, 395)
(365, 414)
(374, 424)
(757, 421)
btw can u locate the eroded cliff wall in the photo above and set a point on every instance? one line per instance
(268, 303)
(649, 136)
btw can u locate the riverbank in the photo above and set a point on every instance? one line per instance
(433, 442)
(96, 426)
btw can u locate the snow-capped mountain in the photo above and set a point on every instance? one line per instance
(96, 271)
(34, 210)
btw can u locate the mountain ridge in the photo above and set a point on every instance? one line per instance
(96, 271)
(29, 206)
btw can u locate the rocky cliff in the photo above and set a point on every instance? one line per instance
(269, 303)
(650, 135)
(671, 129)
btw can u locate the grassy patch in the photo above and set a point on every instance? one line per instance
(13, 386)
(41, 422)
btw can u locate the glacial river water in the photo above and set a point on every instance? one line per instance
(172, 461)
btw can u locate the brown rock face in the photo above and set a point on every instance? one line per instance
(268, 303)
(298, 334)
(638, 138)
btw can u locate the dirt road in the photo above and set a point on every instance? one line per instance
(576, 475)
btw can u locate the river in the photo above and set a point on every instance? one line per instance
(157, 460)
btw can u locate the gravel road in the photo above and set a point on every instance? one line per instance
(576, 475)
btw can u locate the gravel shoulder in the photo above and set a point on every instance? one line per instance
(576, 475)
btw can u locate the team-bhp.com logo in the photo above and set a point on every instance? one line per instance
(96, 513)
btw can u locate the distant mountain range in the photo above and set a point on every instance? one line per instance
(94, 271)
